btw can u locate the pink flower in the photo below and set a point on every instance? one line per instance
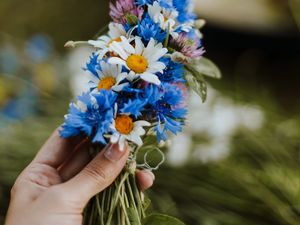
(122, 8)
(189, 46)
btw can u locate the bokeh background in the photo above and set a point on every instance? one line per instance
(238, 161)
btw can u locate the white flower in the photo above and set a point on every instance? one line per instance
(125, 129)
(109, 78)
(115, 32)
(143, 62)
(166, 18)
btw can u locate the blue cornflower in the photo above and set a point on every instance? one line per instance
(144, 2)
(173, 72)
(93, 65)
(92, 116)
(167, 4)
(133, 107)
(184, 14)
(148, 29)
(165, 104)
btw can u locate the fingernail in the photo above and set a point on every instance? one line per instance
(113, 152)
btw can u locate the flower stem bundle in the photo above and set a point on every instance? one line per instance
(140, 73)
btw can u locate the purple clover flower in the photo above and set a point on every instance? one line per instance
(122, 8)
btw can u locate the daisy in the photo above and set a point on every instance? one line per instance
(124, 128)
(142, 62)
(165, 17)
(116, 30)
(108, 77)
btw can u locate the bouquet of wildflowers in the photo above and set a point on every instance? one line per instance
(143, 63)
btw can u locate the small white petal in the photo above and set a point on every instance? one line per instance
(116, 60)
(135, 138)
(118, 88)
(156, 67)
(151, 78)
(127, 46)
(114, 138)
(142, 123)
(121, 77)
(122, 141)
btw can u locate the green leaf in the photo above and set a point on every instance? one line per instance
(159, 219)
(197, 82)
(206, 67)
(132, 19)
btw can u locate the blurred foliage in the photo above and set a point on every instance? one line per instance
(257, 184)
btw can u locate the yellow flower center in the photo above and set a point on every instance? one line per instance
(124, 124)
(106, 83)
(137, 63)
(115, 40)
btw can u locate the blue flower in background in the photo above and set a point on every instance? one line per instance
(92, 115)
(39, 48)
(173, 73)
(148, 29)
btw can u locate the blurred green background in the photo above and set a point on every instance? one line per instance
(237, 163)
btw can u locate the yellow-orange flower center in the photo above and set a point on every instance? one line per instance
(106, 83)
(115, 40)
(124, 124)
(137, 63)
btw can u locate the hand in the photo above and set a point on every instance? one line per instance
(59, 182)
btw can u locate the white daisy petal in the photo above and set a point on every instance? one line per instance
(142, 123)
(93, 78)
(114, 138)
(117, 48)
(157, 55)
(139, 46)
(135, 138)
(120, 87)
(127, 46)
(156, 67)
(121, 77)
(122, 143)
(151, 78)
(116, 60)
(140, 131)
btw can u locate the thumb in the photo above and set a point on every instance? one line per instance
(98, 174)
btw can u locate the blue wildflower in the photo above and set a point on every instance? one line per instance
(91, 116)
(173, 72)
(144, 2)
(148, 29)
(93, 65)
(184, 14)
(134, 107)
(165, 105)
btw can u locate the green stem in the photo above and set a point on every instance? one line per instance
(116, 198)
(137, 196)
(100, 210)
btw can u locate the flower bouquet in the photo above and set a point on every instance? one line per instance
(140, 73)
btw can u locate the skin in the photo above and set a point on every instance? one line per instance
(56, 186)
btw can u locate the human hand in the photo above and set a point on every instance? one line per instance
(56, 186)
